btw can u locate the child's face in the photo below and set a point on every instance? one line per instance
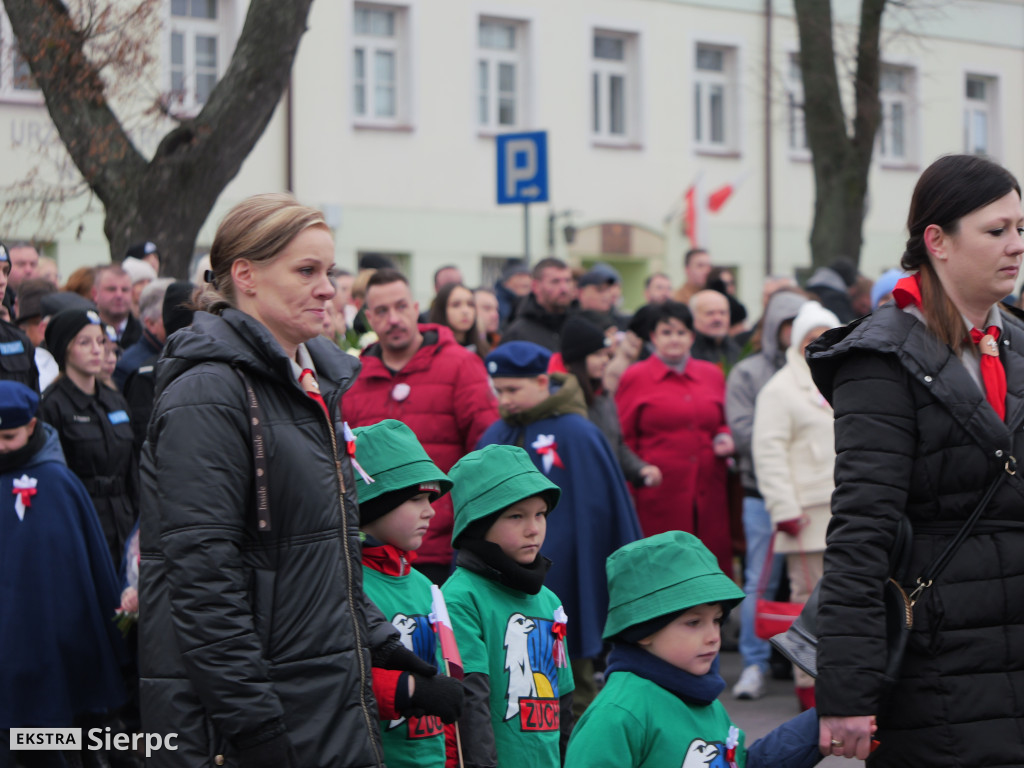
(520, 529)
(13, 439)
(691, 641)
(405, 525)
(517, 395)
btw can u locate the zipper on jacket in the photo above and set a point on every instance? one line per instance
(351, 597)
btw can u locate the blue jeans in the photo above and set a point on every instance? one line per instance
(757, 526)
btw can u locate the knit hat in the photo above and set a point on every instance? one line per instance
(140, 250)
(883, 285)
(389, 452)
(580, 338)
(494, 478)
(5, 259)
(62, 329)
(175, 310)
(138, 269)
(18, 404)
(663, 575)
(518, 360)
(811, 315)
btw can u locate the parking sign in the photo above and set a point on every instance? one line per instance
(522, 167)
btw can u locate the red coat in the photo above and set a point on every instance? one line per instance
(449, 405)
(669, 420)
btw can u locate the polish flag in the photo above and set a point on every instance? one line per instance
(718, 198)
(445, 634)
(695, 218)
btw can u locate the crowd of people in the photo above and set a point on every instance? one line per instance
(261, 478)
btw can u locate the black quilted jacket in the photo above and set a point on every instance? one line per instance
(915, 437)
(243, 631)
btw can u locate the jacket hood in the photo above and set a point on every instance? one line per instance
(828, 278)
(782, 306)
(51, 450)
(566, 397)
(241, 341)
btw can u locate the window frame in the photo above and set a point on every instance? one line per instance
(400, 46)
(796, 119)
(9, 55)
(991, 104)
(519, 57)
(908, 99)
(600, 73)
(729, 79)
(192, 28)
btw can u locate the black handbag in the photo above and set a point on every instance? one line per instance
(799, 643)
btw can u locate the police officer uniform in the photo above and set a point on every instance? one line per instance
(17, 356)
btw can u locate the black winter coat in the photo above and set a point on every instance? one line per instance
(96, 435)
(244, 631)
(17, 357)
(916, 437)
(536, 324)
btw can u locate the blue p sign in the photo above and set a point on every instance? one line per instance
(522, 167)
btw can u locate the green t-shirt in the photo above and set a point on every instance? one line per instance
(508, 635)
(415, 742)
(635, 723)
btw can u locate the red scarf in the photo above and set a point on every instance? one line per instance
(993, 377)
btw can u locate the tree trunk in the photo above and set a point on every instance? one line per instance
(841, 161)
(168, 198)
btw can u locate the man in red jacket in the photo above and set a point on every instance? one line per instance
(421, 376)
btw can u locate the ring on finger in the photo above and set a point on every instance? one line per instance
(837, 742)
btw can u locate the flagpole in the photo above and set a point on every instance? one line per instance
(458, 734)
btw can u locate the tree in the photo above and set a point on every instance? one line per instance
(841, 161)
(167, 198)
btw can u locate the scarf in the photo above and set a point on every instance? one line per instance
(699, 690)
(993, 376)
(17, 458)
(488, 560)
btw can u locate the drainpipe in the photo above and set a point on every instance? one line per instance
(289, 139)
(768, 138)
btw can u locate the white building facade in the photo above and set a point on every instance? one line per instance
(391, 123)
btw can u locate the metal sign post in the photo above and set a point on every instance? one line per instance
(523, 174)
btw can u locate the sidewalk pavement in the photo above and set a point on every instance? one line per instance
(758, 717)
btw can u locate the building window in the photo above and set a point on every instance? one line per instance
(714, 97)
(16, 81)
(896, 94)
(979, 115)
(796, 124)
(614, 87)
(500, 73)
(197, 55)
(378, 89)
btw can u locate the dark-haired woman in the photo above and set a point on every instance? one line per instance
(928, 394)
(455, 307)
(672, 411)
(585, 353)
(255, 634)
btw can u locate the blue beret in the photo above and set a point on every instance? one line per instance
(18, 404)
(518, 360)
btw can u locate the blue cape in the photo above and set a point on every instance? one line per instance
(60, 651)
(594, 517)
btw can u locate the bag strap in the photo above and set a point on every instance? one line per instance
(933, 571)
(766, 569)
(259, 457)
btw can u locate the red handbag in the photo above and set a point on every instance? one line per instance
(772, 616)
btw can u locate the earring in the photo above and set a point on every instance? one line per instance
(250, 291)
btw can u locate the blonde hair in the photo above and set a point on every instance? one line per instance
(257, 229)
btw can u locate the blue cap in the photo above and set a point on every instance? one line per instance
(518, 360)
(883, 285)
(5, 259)
(18, 404)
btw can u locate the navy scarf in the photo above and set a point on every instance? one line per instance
(698, 690)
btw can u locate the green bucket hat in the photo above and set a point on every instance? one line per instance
(390, 454)
(493, 478)
(663, 574)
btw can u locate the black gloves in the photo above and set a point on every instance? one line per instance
(394, 655)
(440, 696)
(273, 752)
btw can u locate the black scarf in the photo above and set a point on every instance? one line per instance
(488, 560)
(14, 459)
(693, 689)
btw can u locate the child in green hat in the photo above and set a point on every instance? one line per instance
(394, 513)
(510, 628)
(659, 707)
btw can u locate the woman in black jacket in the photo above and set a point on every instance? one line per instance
(255, 634)
(928, 395)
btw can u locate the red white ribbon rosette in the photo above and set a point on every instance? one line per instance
(558, 630)
(547, 449)
(24, 489)
(731, 743)
(350, 449)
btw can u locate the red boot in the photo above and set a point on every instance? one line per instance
(805, 697)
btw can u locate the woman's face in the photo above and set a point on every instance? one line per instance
(289, 293)
(86, 351)
(597, 362)
(488, 317)
(672, 340)
(461, 311)
(109, 359)
(979, 263)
